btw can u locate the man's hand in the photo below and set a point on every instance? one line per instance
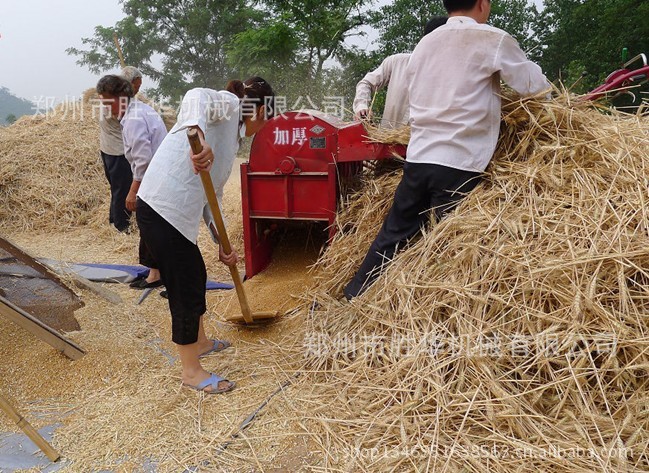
(362, 115)
(131, 198)
(229, 260)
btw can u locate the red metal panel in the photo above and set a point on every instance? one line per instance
(310, 140)
(333, 198)
(257, 248)
(299, 196)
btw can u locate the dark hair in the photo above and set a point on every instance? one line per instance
(255, 91)
(115, 86)
(459, 5)
(236, 87)
(434, 23)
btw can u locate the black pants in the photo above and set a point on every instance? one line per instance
(119, 176)
(423, 188)
(145, 256)
(182, 271)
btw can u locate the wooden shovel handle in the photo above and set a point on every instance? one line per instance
(210, 193)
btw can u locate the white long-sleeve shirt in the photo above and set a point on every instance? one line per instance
(391, 74)
(170, 186)
(454, 75)
(142, 132)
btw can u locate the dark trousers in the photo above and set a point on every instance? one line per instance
(145, 256)
(182, 271)
(424, 188)
(119, 176)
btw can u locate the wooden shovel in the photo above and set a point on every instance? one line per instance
(249, 317)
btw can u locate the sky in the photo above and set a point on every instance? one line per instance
(34, 35)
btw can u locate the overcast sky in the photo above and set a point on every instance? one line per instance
(34, 37)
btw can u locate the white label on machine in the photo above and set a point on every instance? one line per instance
(290, 137)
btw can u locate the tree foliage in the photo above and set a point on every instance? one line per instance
(304, 48)
(516, 17)
(294, 42)
(579, 37)
(207, 42)
(187, 37)
(401, 24)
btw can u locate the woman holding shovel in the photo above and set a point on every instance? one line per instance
(171, 202)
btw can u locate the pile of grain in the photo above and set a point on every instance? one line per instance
(513, 335)
(281, 286)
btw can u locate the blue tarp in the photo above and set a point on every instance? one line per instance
(116, 272)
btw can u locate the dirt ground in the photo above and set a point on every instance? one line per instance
(123, 402)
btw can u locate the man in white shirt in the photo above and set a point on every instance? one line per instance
(454, 75)
(391, 74)
(142, 132)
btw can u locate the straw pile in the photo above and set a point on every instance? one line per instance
(51, 174)
(513, 335)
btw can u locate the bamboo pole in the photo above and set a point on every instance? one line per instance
(26, 427)
(119, 51)
(248, 316)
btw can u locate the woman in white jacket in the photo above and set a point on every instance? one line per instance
(171, 202)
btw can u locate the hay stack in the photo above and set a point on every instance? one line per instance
(514, 335)
(50, 172)
(51, 176)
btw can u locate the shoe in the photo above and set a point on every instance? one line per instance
(213, 382)
(217, 346)
(142, 284)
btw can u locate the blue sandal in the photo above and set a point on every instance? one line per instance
(213, 382)
(217, 346)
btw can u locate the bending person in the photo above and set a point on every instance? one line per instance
(171, 202)
(391, 74)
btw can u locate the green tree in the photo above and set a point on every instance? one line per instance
(187, 36)
(581, 41)
(294, 41)
(516, 17)
(11, 118)
(401, 24)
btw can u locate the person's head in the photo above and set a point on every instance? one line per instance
(134, 76)
(434, 23)
(115, 92)
(479, 10)
(257, 102)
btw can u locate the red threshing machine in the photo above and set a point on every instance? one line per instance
(297, 162)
